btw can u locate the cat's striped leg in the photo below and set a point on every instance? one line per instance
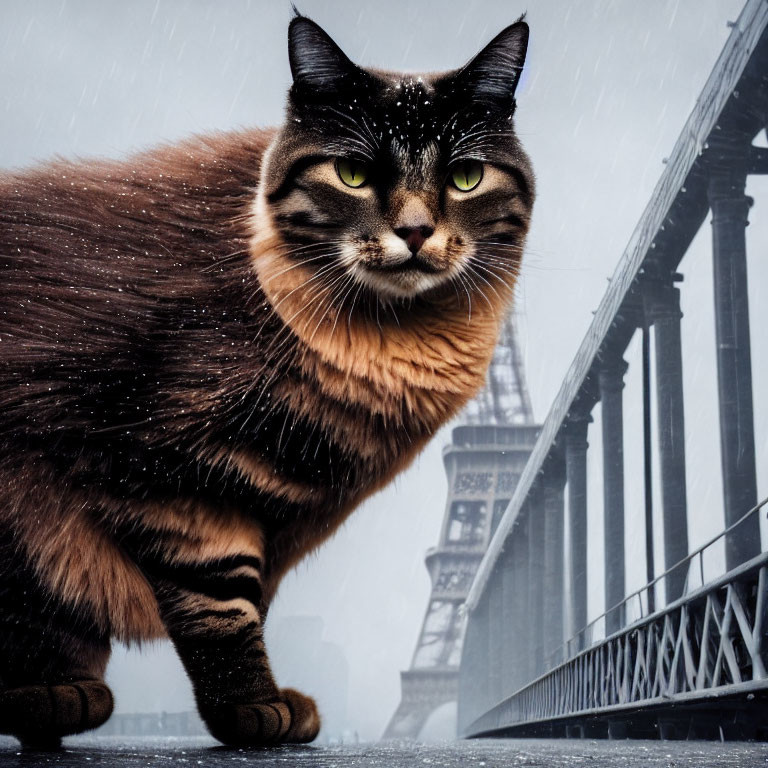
(213, 610)
(52, 661)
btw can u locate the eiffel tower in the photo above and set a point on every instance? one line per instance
(483, 462)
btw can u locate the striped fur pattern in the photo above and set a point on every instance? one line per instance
(212, 352)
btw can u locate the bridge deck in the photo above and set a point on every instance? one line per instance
(562, 753)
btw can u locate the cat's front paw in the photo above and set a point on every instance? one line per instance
(305, 719)
(291, 718)
(39, 715)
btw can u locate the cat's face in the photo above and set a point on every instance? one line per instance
(399, 184)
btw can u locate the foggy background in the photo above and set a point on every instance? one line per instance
(607, 87)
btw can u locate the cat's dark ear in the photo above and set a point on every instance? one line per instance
(317, 63)
(494, 73)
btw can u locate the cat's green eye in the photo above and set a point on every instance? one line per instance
(352, 172)
(466, 175)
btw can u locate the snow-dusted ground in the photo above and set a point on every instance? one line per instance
(106, 751)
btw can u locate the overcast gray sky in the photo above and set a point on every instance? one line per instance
(607, 88)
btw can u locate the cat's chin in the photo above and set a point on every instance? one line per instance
(402, 283)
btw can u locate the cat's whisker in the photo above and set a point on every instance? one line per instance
(268, 279)
(351, 308)
(301, 263)
(510, 256)
(378, 322)
(477, 289)
(329, 304)
(463, 284)
(319, 274)
(502, 271)
(501, 244)
(370, 142)
(473, 267)
(501, 274)
(289, 249)
(342, 148)
(530, 260)
(452, 282)
(452, 121)
(376, 136)
(393, 309)
(493, 275)
(481, 138)
(347, 287)
(469, 134)
(345, 116)
(495, 252)
(326, 268)
(489, 256)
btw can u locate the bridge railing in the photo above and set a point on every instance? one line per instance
(712, 639)
(635, 607)
(528, 603)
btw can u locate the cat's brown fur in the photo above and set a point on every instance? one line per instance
(207, 362)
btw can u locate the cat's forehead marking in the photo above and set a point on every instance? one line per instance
(409, 116)
(415, 166)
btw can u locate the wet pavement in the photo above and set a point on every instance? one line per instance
(114, 751)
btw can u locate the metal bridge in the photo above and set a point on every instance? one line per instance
(686, 655)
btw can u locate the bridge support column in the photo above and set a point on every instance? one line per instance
(534, 510)
(484, 670)
(730, 209)
(611, 385)
(662, 303)
(576, 473)
(517, 617)
(496, 647)
(554, 529)
(510, 620)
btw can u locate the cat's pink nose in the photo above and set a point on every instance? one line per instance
(414, 236)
